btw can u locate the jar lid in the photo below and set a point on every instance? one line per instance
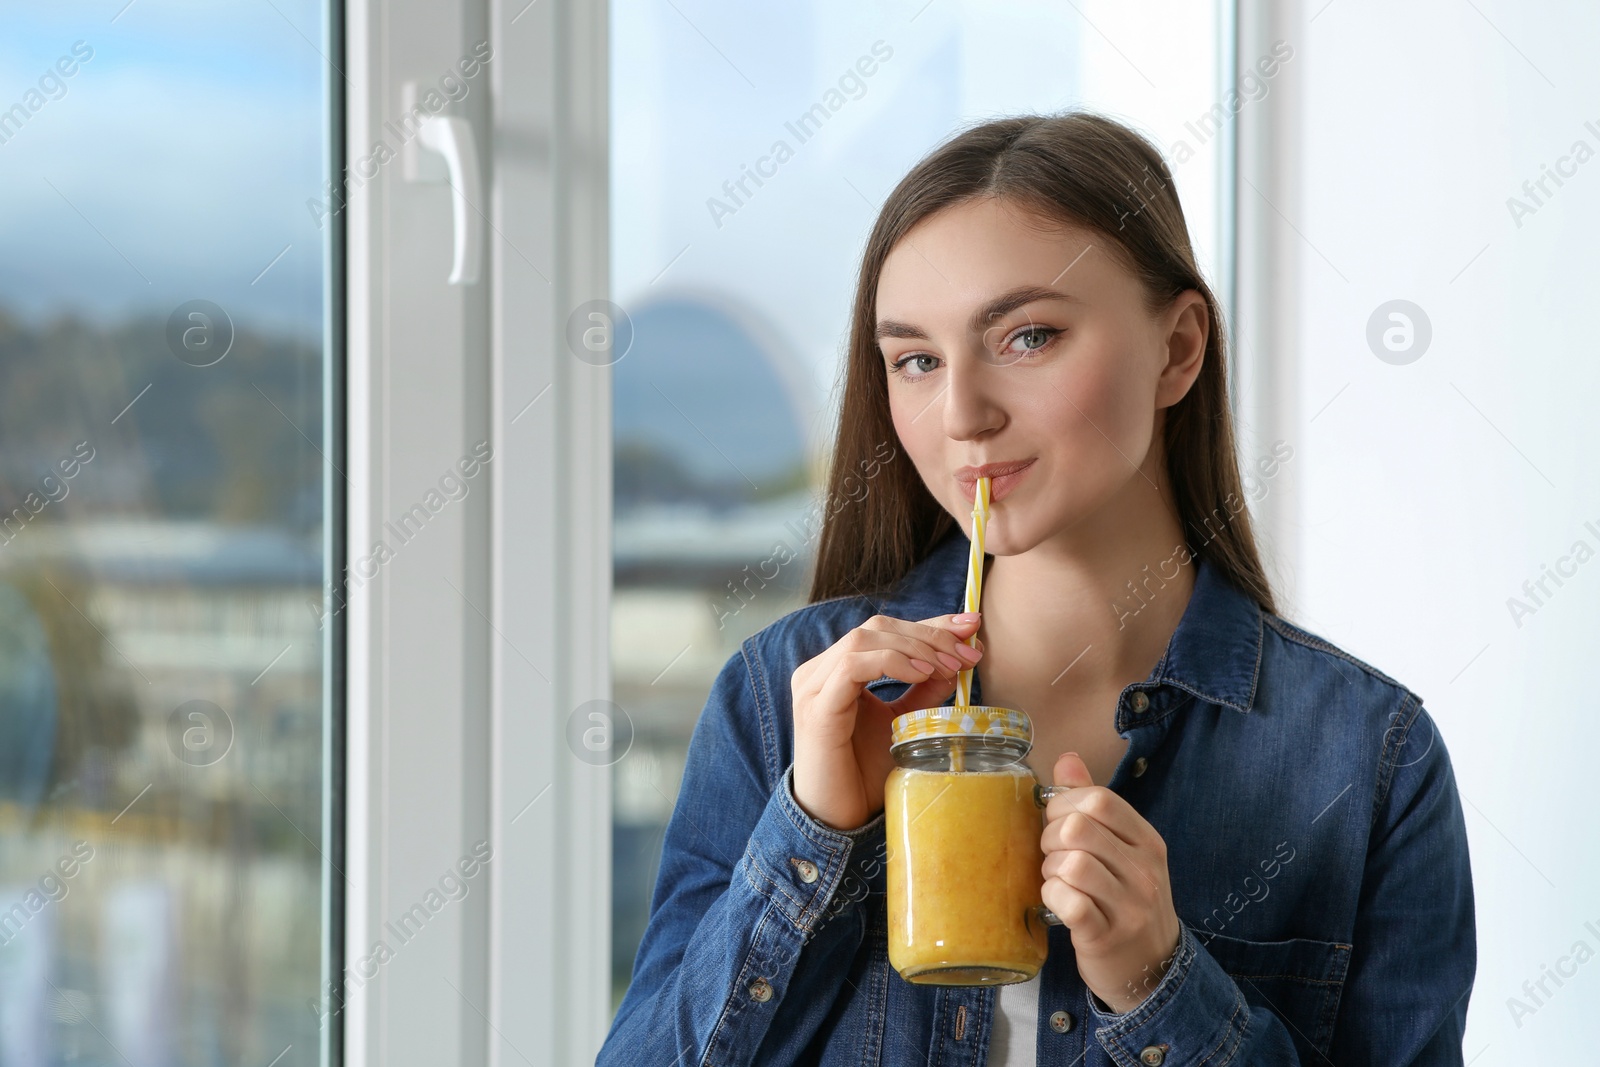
(979, 720)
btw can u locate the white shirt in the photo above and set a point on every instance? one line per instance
(1015, 1040)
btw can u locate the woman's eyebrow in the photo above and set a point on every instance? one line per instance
(1003, 304)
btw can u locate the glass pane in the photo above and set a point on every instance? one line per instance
(163, 857)
(735, 259)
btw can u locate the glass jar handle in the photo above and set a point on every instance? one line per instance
(1042, 794)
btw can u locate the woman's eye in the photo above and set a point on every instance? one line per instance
(899, 365)
(1031, 339)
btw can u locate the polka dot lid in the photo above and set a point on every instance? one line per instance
(975, 721)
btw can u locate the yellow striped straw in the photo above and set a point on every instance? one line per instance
(980, 516)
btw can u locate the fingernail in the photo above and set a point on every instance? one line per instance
(949, 661)
(967, 616)
(968, 653)
(923, 665)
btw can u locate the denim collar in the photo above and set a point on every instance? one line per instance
(1214, 653)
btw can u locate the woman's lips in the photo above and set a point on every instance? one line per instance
(999, 485)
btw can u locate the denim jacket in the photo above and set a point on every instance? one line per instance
(1315, 843)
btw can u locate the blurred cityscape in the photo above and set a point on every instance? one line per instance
(161, 716)
(161, 661)
(706, 489)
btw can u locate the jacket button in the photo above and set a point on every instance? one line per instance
(1141, 703)
(1061, 1021)
(1139, 766)
(807, 869)
(1152, 1055)
(761, 990)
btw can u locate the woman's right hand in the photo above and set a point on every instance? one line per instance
(841, 731)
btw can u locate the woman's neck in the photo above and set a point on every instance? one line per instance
(1101, 598)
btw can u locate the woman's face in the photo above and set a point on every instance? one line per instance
(1004, 343)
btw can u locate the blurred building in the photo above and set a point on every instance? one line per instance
(714, 518)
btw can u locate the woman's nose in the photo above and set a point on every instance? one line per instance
(972, 399)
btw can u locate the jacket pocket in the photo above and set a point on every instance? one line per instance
(1299, 980)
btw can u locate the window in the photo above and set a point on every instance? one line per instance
(166, 873)
(750, 151)
(240, 745)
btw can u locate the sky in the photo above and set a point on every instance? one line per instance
(176, 164)
(179, 161)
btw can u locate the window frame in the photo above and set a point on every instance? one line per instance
(335, 504)
(458, 700)
(1263, 187)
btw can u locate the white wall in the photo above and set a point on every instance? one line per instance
(1425, 494)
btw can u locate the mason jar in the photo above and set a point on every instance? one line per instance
(963, 818)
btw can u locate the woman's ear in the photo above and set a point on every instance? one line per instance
(1187, 324)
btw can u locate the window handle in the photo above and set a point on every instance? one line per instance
(451, 138)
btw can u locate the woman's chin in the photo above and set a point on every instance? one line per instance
(1000, 536)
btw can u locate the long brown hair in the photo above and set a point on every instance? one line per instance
(1078, 168)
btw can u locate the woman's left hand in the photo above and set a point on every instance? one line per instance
(1105, 877)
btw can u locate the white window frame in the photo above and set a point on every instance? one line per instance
(1265, 262)
(458, 698)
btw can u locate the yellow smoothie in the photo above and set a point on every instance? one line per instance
(967, 876)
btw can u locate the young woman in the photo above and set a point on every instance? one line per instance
(1265, 862)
